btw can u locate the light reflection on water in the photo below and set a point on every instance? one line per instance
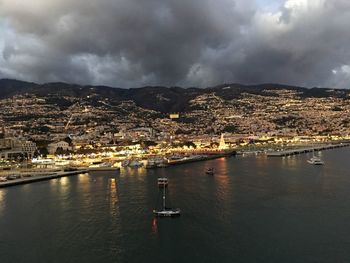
(2, 200)
(290, 161)
(154, 226)
(113, 197)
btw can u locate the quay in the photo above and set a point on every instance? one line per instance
(200, 157)
(306, 150)
(37, 178)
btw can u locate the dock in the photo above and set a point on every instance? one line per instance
(199, 158)
(306, 150)
(37, 178)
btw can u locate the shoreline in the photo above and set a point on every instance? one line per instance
(58, 174)
(39, 178)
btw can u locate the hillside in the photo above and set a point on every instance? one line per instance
(162, 99)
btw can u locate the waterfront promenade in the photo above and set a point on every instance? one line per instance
(306, 150)
(37, 178)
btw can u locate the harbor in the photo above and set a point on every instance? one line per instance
(20, 176)
(24, 176)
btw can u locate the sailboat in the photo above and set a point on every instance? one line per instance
(315, 160)
(166, 211)
(210, 171)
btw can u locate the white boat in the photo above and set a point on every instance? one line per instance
(103, 166)
(156, 163)
(166, 211)
(13, 177)
(315, 161)
(135, 164)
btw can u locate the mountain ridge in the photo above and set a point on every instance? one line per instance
(159, 98)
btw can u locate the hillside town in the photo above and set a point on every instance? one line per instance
(35, 125)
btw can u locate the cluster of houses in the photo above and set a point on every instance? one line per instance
(13, 148)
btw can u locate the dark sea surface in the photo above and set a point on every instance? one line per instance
(254, 209)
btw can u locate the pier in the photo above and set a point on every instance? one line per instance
(198, 158)
(306, 150)
(37, 178)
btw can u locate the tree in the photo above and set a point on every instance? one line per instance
(230, 128)
(189, 144)
(59, 151)
(43, 129)
(43, 151)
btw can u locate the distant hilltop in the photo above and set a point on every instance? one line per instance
(158, 98)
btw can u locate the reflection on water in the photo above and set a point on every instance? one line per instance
(223, 190)
(261, 160)
(221, 165)
(2, 201)
(154, 226)
(113, 197)
(141, 171)
(64, 182)
(291, 161)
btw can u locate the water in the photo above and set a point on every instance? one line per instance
(255, 209)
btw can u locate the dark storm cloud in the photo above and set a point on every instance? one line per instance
(176, 42)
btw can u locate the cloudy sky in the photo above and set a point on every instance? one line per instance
(131, 43)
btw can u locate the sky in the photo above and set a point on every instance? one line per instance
(133, 43)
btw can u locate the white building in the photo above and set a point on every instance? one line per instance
(11, 148)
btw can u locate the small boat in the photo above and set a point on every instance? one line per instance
(125, 163)
(162, 182)
(156, 163)
(166, 211)
(210, 171)
(135, 164)
(315, 161)
(13, 177)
